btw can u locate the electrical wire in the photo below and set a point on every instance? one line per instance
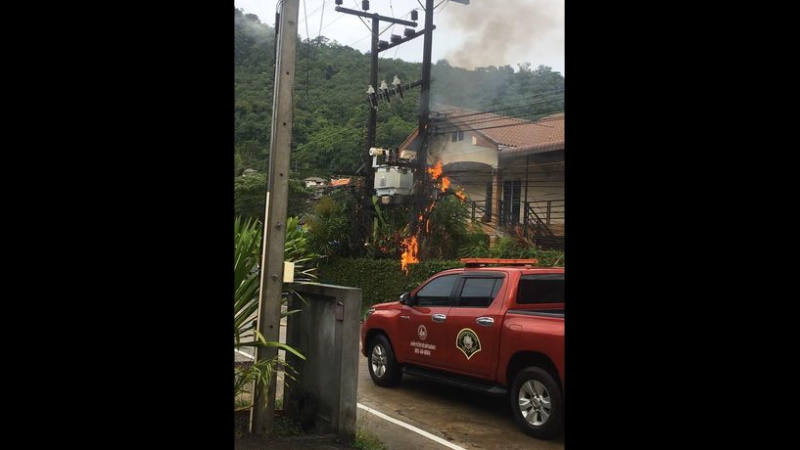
(509, 112)
(311, 14)
(305, 12)
(476, 124)
(522, 116)
(340, 16)
(362, 20)
(321, 16)
(507, 106)
(527, 114)
(488, 123)
(370, 35)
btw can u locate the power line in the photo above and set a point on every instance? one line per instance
(521, 116)
(321, 16)
(538, 117)
(305, 12)
(312, 13)
(508, 105)
(481, 116)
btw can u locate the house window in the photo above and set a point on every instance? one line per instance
(510, 208)
(457, 136)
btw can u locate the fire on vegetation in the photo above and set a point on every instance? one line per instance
(410, 244)
(436, 174)
(409, 255)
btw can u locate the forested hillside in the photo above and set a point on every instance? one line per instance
(330, 106)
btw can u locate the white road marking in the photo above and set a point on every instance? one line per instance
(411, 427)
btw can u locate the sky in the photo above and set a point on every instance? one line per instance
(483, 33)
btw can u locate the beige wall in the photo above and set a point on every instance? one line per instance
(545, 182)
(442, 149)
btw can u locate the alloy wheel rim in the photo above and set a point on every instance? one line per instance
(378, 361)
(534, 403)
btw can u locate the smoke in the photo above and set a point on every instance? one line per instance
(494, 32)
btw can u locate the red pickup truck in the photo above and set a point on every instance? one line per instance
(495, 326)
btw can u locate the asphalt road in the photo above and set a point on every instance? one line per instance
(419, 414)
(464, 419)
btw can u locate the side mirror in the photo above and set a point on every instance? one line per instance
(405, 298)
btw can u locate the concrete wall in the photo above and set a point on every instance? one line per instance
(442, 149)
(327, 331)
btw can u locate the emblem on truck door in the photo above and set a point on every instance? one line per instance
(468, 342)
(422, 332)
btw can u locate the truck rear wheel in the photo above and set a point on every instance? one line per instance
(383, 367)
(537, 403)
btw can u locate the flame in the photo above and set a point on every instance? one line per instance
(445, 184)
(409, 255)
(435, 171)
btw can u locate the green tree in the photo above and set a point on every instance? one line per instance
(330, 225)
(448, 228)
(249, 196)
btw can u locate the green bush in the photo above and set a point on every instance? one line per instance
(382, 280)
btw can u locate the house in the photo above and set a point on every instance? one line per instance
(313, 182)
(512, 170)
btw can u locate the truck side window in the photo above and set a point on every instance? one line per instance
(437, 292)
(479, 292)
(541, 289)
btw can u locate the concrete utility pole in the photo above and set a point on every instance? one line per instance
(272, 248)
(421, 181)
(373, 81)
(421, 175)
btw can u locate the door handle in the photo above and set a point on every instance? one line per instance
(485, 321)
(404, 317)
(438, 318)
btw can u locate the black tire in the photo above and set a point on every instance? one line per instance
(537, 403)
(383, 367)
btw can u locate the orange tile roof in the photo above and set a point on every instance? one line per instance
(508, 131)
(340, 182)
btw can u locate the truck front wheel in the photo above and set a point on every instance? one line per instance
(383, 367)
(537, 403)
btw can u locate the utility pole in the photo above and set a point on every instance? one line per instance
(373, 68)
(421, 178)
(421, 174)
(366, 207)
(373, 81)
(272, 248)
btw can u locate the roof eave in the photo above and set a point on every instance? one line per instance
(544, 147)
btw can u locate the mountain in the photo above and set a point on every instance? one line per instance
(330, 100)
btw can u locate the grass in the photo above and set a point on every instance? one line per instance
(241, 403)
(285, 427)
(367, 441)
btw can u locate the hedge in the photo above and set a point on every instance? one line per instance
(382, 280)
